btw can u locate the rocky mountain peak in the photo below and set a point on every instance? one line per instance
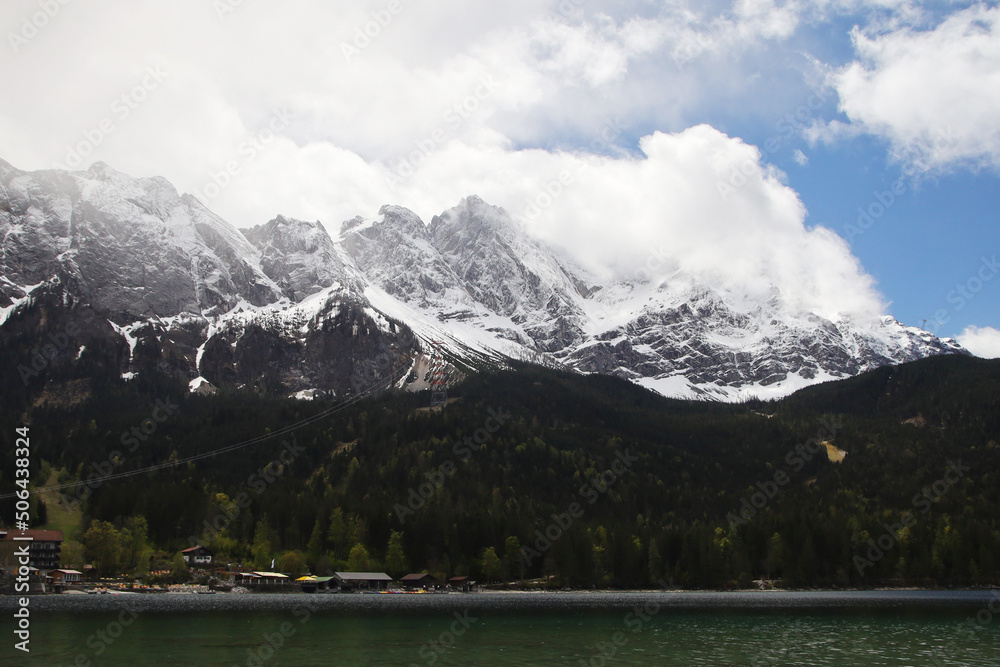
(178, 282)
(400, 220)
(301, 257)
(472, 222)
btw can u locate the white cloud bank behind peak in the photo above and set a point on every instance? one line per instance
(703, 199)
(456, 112)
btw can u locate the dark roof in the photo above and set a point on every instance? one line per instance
(458, 580)
(35, 534)
(195, 548)
(418, 577)
(363, 576)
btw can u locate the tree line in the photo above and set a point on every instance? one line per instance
(591, 482)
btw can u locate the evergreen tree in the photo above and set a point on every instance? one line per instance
(314, 548)
(395, 559)
(513, 560)
(491, 565)
(655, 563)
(264, 544)
(336, 533)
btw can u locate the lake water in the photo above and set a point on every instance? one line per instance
(773, 628)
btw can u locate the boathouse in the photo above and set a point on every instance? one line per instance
(363, 581)
(262, 580)
(421, 581)
(463, 584)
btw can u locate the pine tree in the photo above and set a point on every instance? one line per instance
(491, 564)
(314, 548)
(264, 540)
(336, 533)
(655, 563)
(513, 561)
(395, 559)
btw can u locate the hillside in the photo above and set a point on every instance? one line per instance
(526, 450)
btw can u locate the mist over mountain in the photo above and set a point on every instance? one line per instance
(284, 308)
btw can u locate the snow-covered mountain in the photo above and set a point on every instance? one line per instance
(286, 309)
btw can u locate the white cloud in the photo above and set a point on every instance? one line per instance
(560, 73)
(981, 341)
(933, 94)
(800, 158)
(557, 81)
(607, 212)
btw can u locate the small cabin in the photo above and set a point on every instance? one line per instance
(66, 577)
(463, 584)
(421, 581)
(197, 555)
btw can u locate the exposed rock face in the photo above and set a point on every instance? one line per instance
(301, 258)
(133, 247)
(474, 266)
(510, 275)
(283, 308)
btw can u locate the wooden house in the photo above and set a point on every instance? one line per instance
(463, 584)
(363, 581)
(197, 555)
(421, 581)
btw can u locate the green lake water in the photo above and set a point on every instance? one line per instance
(495, 629)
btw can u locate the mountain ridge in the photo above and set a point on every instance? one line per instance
(216, 302)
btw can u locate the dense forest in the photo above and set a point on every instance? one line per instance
(535, 474)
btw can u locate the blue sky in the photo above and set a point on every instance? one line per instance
(605, 127)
